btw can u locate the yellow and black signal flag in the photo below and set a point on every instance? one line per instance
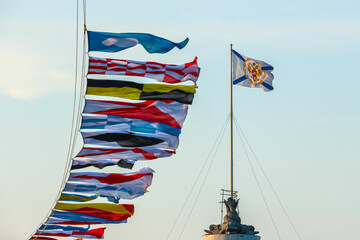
(141, 91)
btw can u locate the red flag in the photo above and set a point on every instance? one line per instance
(160, 72)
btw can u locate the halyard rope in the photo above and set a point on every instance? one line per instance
(207, 173)
(267, 179)
(257, 181)
(73, 132)
(197, 179)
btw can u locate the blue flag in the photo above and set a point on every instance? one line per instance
(65, 217)
(65, 228)
(115, 42)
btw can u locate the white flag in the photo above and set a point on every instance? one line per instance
(252, 73)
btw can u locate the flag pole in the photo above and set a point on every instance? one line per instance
(231, 127)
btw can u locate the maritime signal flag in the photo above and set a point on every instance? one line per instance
(160, 72)
(122, 122)
(140, 91)
(115, 42)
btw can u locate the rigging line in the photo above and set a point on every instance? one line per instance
(79, 108)
(50, 212)
(202, 184)
(197, 179)
(73, 134)
(268, 181)
(257, 180)
(82, 92)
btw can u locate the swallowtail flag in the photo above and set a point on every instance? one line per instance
(115, 42)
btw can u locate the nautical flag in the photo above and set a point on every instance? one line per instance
(118, 186)
(115, 42)
(79, 163)
(106, 211)
(166, 112)
(97, 233)
(36, 237)
(108, 122)
(65, 217)
(66, 228)
(114, 208)
(113, 186)
(110, 139)
(144, 153)
(168, 73)
(77, 197)
(105, 190)
(144, 175)
(140, 91)
(250, 72)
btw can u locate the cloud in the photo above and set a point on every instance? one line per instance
(27, 75)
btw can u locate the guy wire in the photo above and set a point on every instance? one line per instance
(202, 184)
(197, 179)
(257, 180)
(268, 181)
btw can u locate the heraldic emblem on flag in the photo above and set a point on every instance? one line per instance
(252, 73)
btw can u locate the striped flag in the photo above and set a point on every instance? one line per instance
(111, 139)
(72, 218)
(168, 73)
(140, 91)
(114, 178)
(111, 123)
(37, 237)
(105, 190)
(166, 112)
(67, 228)
(106, 211)
(77, 197)
(97, 233)
(144, 153)
(120, 186)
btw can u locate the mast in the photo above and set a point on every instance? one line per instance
(231, 227)
(231, 127)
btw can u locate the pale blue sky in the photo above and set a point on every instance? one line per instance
(305, 132)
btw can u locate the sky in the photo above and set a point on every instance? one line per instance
(305, 133)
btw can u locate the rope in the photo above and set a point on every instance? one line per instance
(197, 179)
(257, 181)
(207, 173)
(268, 181)
(80, 103)
(72, 132)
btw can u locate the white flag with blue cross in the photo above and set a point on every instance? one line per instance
(250, 72)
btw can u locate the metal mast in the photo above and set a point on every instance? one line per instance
(231, 127)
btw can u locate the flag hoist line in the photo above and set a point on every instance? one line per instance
(75, 130)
